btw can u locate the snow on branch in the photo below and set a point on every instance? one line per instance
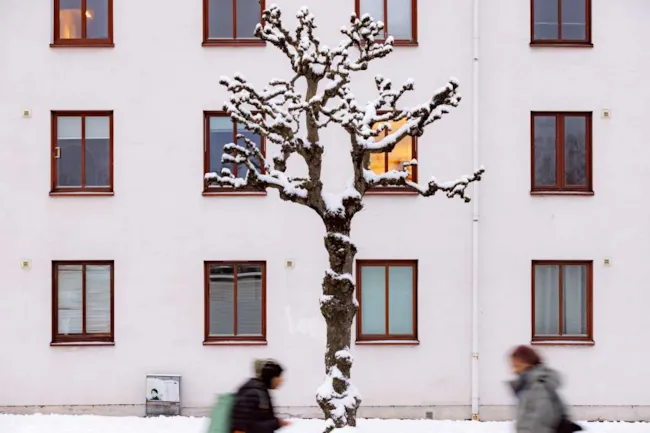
(454, 188)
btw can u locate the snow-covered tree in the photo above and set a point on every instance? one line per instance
(292, 120)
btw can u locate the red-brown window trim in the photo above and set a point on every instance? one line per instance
(223, 190)
(560, 188)
(398, 190)
(83, 338)
(563, 339)
(83, 41)
(232, 339)
(584, 43)
(386, 338)
(229, 42)
(85, 191)
(413, 42)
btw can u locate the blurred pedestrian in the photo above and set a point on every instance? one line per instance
(540, 409)
(253, 410)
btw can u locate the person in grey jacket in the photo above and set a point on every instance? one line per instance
(539, 408)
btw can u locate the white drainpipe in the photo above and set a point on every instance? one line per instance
(475, 218)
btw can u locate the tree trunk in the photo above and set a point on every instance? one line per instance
(337, 397)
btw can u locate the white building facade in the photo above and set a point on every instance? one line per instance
(116, 262)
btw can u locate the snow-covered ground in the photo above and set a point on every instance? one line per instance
(96, 424)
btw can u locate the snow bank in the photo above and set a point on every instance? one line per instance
(96, 424)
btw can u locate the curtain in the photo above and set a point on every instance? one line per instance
(249, 300)
(222, 300)
(249, 15)
(373, 300)
(375, 8)
(68, 166)
(97, 156)
(544, 152)
(574, 292)
(220, 25)
(221, 133)
(69, 302)
(98, 299)
(400, 19)
(547, 300)
(400, 300)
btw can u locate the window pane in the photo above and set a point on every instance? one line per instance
(249, 300)
(546, 20)
(222, 300)
(378, 163)
(574, 19)
(69, 293)
(220, 19)
(373, 7)
(97, 157)
(400, 300)
(373, 300)
(249, 14)
(575, 150)
(403, 152)
(97, 19)
(575, 300)
(400, 19)
(221, 133)
(68, 166)
(98, 299)
(242, 170)
(70, 19)
(547, 300)
(545, 157)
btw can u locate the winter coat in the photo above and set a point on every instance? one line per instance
(540, 408)
(253, 409)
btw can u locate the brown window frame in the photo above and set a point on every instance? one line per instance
(560, 41)
(57, 41)
(387, 338)
(229, 42)
(224, 190)
(232, 339)
(560, 187)
(413, 42)
(83, 338)
(562, 339)
(85, 191)
(397, 190)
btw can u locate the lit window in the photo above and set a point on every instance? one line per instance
(83, 22)
(404, 152)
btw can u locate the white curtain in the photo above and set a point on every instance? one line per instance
(547, 300)
(400, 300)
(98, 299)
(222, 300)
(400, 19)
(69, 302)
(575, 300)
(249, 300)
(373, 300)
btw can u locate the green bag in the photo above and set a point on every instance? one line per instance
(222, 413)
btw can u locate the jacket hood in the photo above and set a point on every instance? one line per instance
(542, 373)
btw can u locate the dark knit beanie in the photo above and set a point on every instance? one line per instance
(270, 371)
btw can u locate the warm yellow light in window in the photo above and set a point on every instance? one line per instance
(89, 15)
(70, 23)
(403, 152)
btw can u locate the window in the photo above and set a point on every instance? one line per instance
(235, 302)
(231, 22)
(399, 18)
(561, 22)
(82, 152)
(387, 295)
(220, 130)
(82, 302)
(404, 151)
(562, 301)
(83, 23)
(561, 152)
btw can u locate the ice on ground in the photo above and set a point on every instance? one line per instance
(98, 424)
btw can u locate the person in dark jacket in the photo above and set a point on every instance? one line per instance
(539, 408)
(253, 410)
